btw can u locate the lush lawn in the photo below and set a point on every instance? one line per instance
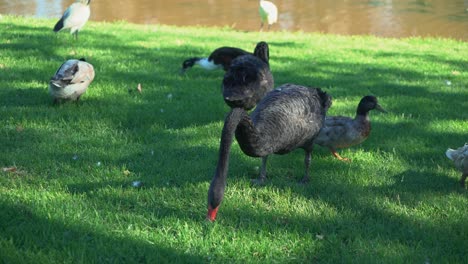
(71, 198)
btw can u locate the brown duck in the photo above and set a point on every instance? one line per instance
(343, 132)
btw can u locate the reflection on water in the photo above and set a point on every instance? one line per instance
(389, 18)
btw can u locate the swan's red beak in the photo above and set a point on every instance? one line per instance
(211, 216)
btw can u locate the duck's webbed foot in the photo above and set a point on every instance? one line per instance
(336, 155)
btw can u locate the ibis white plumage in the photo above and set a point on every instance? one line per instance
(268, 13)
(75, 17)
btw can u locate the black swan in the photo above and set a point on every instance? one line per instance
(248, 79)
(287, 118)
(343, 132)
(75, 17)
(219, 58)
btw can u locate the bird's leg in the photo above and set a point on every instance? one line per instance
(75, 34)
(307, 160)
(463, 179)
(262, 178)
(261, 26)
(336, 155)
(77, 101)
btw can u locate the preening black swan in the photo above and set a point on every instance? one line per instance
(287, 118)
(219, 58)
(248, 79)
(343, 132)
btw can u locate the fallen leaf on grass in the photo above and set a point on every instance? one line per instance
(455, 72)
(319, 237)
(126, 172)
(9, 169)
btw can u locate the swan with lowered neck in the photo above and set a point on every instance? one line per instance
(287, 118)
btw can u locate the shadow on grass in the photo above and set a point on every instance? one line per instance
(76, 242)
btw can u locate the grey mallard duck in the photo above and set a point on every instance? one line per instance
(460, 159)
(343, 132)
(71, 80)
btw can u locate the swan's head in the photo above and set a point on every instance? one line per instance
(239, 89)
(211, 215)
(246, 82)
(262, 51)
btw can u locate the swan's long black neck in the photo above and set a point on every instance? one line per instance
(262, 52)
(218, 184)
(248, 137)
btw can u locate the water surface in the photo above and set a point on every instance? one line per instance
(386, 18)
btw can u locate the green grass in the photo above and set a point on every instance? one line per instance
(398, 201)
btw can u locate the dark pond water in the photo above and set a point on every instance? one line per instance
(387, 18)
